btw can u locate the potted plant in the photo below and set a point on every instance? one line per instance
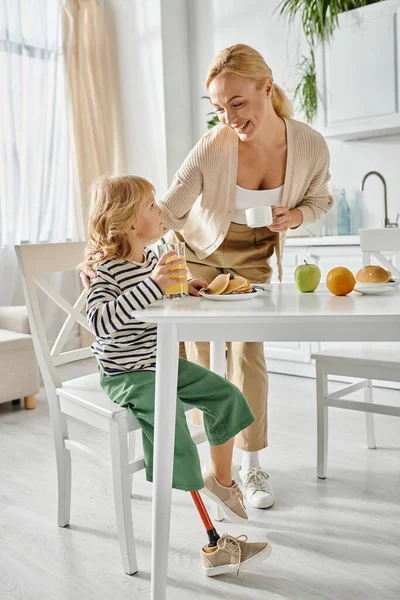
(213, 120)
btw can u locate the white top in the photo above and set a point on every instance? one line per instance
(253, 198)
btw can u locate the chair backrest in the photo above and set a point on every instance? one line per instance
(36, 260)
(376, 241)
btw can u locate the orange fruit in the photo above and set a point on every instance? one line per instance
(340, 281)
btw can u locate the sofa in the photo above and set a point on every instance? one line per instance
(19, 372)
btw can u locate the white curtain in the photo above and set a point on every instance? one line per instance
(35, 172)
(35, 181)
(93, 99)
(59, 129)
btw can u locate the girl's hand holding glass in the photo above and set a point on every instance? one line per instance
(165, 274)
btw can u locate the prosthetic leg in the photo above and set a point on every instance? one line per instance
(212, 533)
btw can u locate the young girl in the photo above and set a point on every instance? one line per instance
(123, 219)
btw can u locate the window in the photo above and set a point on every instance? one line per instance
(35, 182)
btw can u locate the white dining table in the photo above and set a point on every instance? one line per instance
(280, 313)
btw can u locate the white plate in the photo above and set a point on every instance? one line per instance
(234, 297)
(374, 289)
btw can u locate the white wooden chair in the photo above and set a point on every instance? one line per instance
(366, 362)
(81, 398)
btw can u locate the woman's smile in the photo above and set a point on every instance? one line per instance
(242, 128)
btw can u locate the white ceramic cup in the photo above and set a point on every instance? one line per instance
(260, 216)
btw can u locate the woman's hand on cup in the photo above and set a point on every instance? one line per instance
(195, 285)
(282, 219)
(163, 275)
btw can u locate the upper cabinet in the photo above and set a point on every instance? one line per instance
(358, 74)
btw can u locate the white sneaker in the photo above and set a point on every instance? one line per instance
(257, 488)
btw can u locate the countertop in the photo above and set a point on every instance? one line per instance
(329, 240)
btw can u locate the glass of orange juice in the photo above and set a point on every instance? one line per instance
(180, 288)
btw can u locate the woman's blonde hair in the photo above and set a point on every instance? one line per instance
(114, 202)
(245, 61)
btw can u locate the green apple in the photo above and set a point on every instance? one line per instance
(307, 277)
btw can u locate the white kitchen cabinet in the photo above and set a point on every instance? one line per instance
(328, 258)
(294, 358)
(358, 74)
(292, 258)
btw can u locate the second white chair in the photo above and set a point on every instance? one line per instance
(367, 362)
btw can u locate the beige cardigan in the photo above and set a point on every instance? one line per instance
(201, 200)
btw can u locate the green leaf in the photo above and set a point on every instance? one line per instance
(305, 93)
(214, 121)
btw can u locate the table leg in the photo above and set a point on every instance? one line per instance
(218, 358)
(218, 365)
(164, 438)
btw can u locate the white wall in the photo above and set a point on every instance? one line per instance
(350, 161)
(137, 29)
(177, 91)
(215, 24)
(151, 40)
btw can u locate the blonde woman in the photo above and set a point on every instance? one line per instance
(257, 156)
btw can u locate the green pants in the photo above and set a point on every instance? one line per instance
(225, 409)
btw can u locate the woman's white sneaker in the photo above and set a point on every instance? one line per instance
(257, 488)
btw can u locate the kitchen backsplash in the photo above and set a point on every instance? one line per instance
(347, 216)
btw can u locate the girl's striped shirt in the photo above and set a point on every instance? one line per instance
(123, 343)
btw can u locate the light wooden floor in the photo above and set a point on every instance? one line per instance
(337, 539)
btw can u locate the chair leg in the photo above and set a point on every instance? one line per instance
(122, 493)
(64, 486)
(369, 417)
(131, 454)
(322, 421)
(30, 401)
(63, 459)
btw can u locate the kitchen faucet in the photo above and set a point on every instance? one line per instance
(387, 222)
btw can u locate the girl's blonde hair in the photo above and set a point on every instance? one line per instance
(245, 61)
(114, 202)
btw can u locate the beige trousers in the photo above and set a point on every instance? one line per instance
(244, 252)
